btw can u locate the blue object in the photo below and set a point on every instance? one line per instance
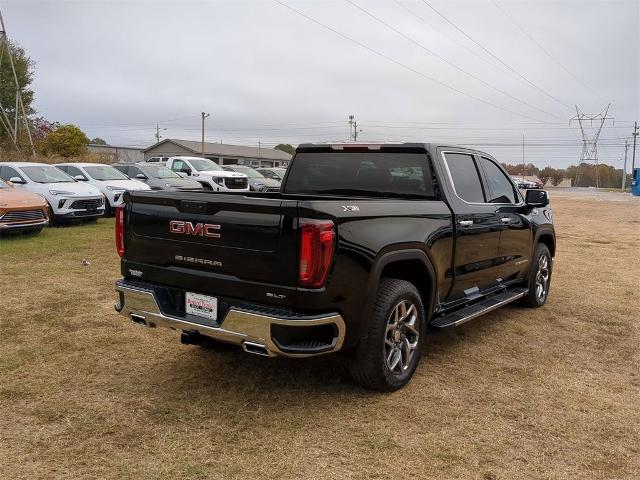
(635, 182)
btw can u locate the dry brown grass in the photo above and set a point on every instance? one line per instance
(519, 394)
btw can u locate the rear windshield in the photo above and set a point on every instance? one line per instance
(381, 174)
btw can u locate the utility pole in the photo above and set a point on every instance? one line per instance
(157, 135)
(351, 120)
(524, 168)
(204, 115)
(624, 169)
(633, 157)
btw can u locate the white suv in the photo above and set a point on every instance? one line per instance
(67, 198)
(111, 182)
(211, 175)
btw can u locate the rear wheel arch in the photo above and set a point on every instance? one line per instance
(411, 265)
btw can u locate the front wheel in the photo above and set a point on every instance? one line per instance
(539, 277)
(389, 351)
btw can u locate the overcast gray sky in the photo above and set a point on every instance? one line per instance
(269, 74)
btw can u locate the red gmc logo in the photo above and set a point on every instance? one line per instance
(200, 229)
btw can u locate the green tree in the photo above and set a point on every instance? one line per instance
(557, 177)
(546, 174)
(285, 147)
(67, 140)
(24, 67)
(97, 141)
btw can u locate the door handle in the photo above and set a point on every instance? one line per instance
(505, 219)
(465, 223)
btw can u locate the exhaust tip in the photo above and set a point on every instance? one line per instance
(138, 319)
(255, 348)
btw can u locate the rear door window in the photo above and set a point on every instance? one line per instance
(385, 174)
(465, 176)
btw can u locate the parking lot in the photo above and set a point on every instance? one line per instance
(550, 393)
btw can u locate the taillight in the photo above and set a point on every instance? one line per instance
(317, 242)
(120, 230)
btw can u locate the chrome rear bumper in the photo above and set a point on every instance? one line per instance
(252, 331)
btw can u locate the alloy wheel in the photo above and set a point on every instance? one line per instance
(401, 337)
(542, 277)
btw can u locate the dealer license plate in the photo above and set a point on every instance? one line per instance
(201, 305)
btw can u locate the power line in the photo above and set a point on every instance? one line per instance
(496, 57)
(546, 52)
(451, 64)
(400, 64)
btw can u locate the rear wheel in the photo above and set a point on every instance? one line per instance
(389, 351)
(539, 277)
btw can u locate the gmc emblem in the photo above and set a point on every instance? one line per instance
(200, 229)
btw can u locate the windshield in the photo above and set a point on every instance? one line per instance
(156, 171)
(379, 174)
(105, 172)
(248, 171)
(46, 174)
(205, 164)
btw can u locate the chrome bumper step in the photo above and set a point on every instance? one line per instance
(251, 330)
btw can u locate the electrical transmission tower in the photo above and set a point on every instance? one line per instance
(16, 112)
(589, 144)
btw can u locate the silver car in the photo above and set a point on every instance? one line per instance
(257, 181)
(275, 173)
(158, 177)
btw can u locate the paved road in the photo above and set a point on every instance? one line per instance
(594, 194)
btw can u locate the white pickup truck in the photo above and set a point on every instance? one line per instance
(211, 175)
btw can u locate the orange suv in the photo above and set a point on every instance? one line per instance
(21, 210)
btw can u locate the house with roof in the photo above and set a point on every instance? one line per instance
(221, 153)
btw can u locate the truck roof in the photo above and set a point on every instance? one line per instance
(379, 145)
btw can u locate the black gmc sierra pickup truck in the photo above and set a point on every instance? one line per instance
(364, 248)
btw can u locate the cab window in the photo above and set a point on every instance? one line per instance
(177, 165)
(501, 189)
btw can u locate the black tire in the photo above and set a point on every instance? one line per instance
(369, 364)
(537, 295)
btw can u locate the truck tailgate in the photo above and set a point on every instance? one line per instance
(217, 235)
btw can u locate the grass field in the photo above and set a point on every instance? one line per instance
(552, 393)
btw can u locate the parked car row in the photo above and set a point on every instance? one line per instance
(525, 184)
(212, 177)
(34, 194)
